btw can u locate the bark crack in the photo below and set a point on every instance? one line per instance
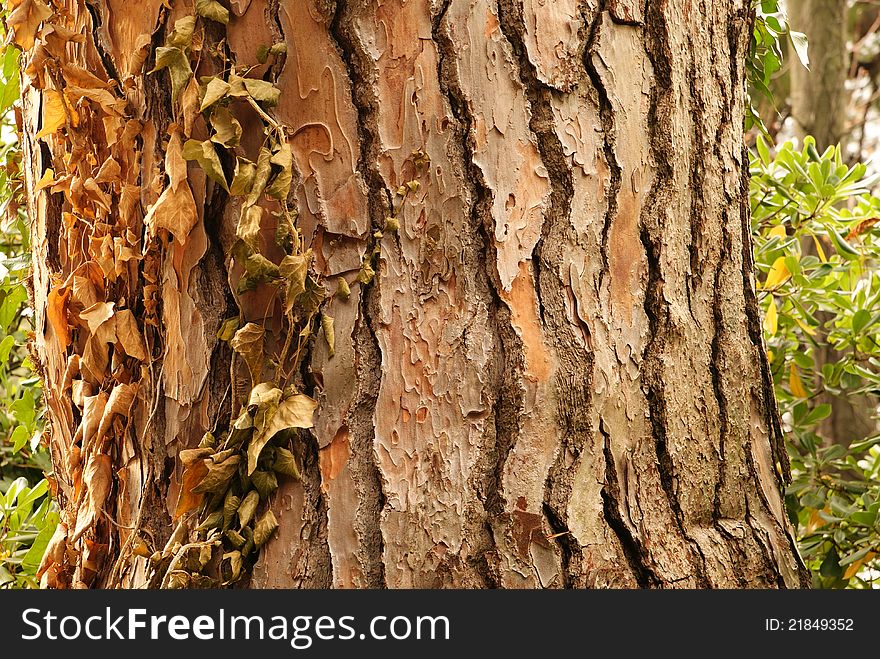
(372, 499)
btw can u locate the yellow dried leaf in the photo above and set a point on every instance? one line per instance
(771, 319)
(129, 335)
(97, 314)
(54, 114)
(778, 273)
(24, 21)
(97, 477)
(795, 384)
(46, 180)
(56, 312)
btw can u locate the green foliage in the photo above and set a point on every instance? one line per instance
(27, 515)
(817, 251)
(770, 32)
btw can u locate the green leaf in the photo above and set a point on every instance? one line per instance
(214, 91)
(860, 320)
(212, 10)
(205, 154)
(5, 347)
(293, 412)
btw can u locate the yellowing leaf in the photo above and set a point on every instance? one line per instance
(293, 412)
(778, 273)
(248, 228)
(819, 250)
(213, 10)
(329, 335)
(214, 91)
(809, 330)
(227, 130)
(248, 342)
(771, 319)
(54, 114)
(778, 231)
(206, 156)
(795, 384)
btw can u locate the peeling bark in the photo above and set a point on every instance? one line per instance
(556, 377)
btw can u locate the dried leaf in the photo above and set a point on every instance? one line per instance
(205, 154)
(248, 507)
(265, 528)
(190, 456)
(129, 335)
(98, 478)
(294, 269)
(175, 211)
(188, 500)
(24, 21)
(213, 10)
(97, 314)
(248, 342)
(77, 76)
(261, 176)
(218, 475)
(280, 187)
(54, 113)
(230, 506)
(181, 35)
(293, 412)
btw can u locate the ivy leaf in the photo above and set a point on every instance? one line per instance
(265, 528)
(212, 10)
(248, 507)
(218, 476)
(248, 228)
(266, 482)
(799, 41)
(177, 63)
(227, 130)
(285, 463)
(261, 176)
(259, 267)
(294, 268)
(280, 187)
(248, 342)
(293, 412)
(243, 178)
(214, 91)
(227, 329)
(205, 154)
(181, 35)
(262, 91)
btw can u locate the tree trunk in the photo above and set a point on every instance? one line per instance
(556, 376)
(819, 99)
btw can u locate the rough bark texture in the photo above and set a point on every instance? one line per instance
(556, 378)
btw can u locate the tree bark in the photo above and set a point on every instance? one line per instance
(556, 377)
(819, 99)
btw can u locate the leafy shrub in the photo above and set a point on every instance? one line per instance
(817, 252)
